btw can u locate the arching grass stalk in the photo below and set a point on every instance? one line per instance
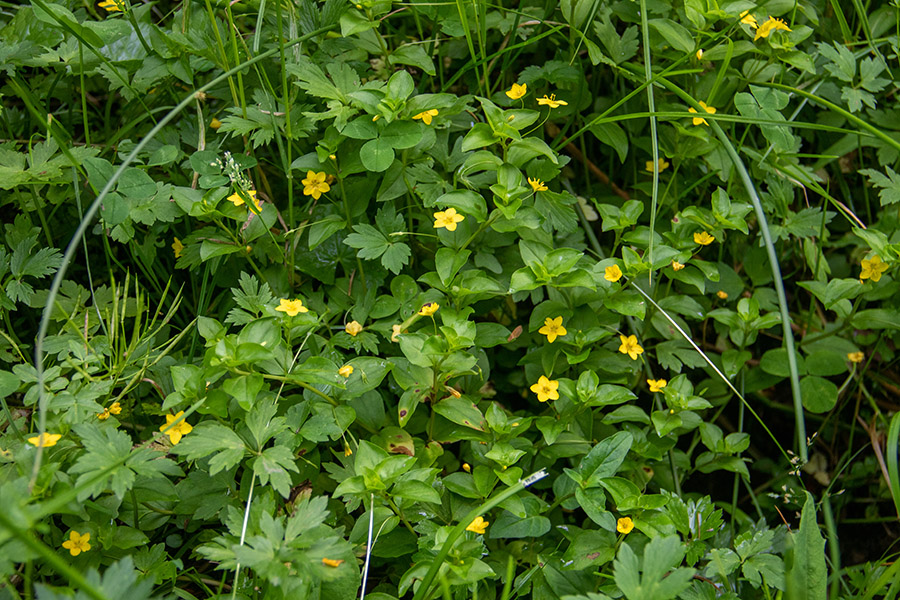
(72, 247)
(425, 587)
(773, 263)
(654, 140)
(713, 366)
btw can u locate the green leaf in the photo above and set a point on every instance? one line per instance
(415, 55)
(461, 412)
(889, 184)
(415, 490)
(819, 395)
(273, 466)
(222, 445)
(509, 526)
(605, 458)
(661, 578)
(675, 34)
(806, 573)
(135, 183)
(377, 155)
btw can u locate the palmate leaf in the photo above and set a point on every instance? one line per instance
(889, 184)
(220, 443)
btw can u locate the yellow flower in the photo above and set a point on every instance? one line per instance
(116, 408)
(537, 185)
(546, 389)
(77, 543)
(346, 370)
(748, 19)
(699, 54)
(395, 331)
(663, 165)
(348, 451)
(238, 201)
(215, 123)
(103, 415)
(331, 562)
(177, 246)
(704, 239)
(700, 120)
(630, 346)
(478, 525)
(872, 269)
(677, 266)
(656, 385)
(856, 357)
(624, 525)
(353, 328)
(291, 307)
(426, 115)
(110, 6)
(769, 26)
(429, 308)
(448, 218)
(467, 468)
(722, 295)
(552, 102)
(612, 273)
(181, 429)
(553, 328)
(45, 440)
(517, 91)
(315, 185)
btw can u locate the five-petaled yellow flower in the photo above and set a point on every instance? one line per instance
(479, 525)
(177, 247)
(748, 19)
(630, 346)
(45, 440)
(537, 185)
(612, 273)
(426, 115)
(348, 451)
(448, 218)
(677, 266)
(215, 123)
(103, 415)
(517, 91)
(546, 389)
(429, 308)
(624, 525)
(236, 199)
(110, 6)
(663, 165)
(77, 543)
(722, 295)
(291, 307)
(353, 328)
(332, 562)
(769, 26)
(552, 102)
(656, 385)
(315, 185)
(703, 238)
(700, 120)
(856, 357)
(872, 269)
(346, 370)
(115, 408)
(181, 429)
(553, 328)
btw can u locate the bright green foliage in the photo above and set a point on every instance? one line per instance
(301, 298)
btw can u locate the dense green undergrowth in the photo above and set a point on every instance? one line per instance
(573, 300)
